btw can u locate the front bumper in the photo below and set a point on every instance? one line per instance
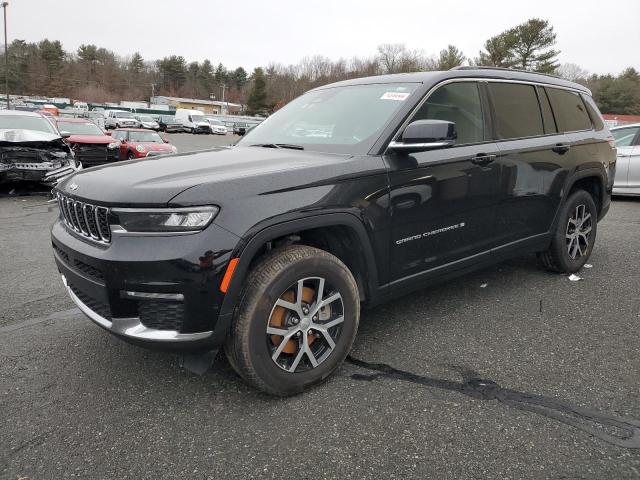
(154, 291)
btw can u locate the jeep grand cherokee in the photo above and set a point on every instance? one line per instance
(352, 194)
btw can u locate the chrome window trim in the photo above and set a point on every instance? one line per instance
(396, 136)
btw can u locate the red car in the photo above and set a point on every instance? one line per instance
(89, 143)
(139, 143)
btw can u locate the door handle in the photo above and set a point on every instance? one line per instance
(561, 148)
(483, 159)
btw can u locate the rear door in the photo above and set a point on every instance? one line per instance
(626, 141)
(443, 201)
(531, 153)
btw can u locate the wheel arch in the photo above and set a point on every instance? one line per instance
(592, 180)
(310, 231)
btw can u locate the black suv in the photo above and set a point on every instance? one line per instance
(353, 193)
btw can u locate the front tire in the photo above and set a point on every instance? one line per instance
(296, 320)
(575, 235)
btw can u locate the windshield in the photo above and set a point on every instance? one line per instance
(624, 136)
(198, 118)
(340, 120)
(80, 128)
(124, 115)
(215, 122)
(19, 122)
(145, 119)
(145, 137)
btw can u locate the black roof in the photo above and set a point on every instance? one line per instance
(435, 77)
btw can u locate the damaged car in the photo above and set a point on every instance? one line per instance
(32, 149)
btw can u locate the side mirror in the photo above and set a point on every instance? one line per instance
(423, 135)
(65, 134)
(165, 139)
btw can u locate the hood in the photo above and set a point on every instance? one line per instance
(20, 136)
(227, 172)
(99, 139)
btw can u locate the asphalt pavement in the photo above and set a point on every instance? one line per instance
(510, 372)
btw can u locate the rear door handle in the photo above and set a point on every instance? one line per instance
(561, 148)
(483, 159)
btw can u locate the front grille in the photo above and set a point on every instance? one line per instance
(97, 306)
(86, 219)
(161, 315)
(93, 153)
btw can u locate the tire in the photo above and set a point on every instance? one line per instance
(130, 155)
(567, 254)
(193, 131)
(250, 348)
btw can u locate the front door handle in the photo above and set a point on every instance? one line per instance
(483, 159)
(561, 148)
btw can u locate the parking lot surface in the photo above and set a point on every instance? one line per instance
(75, 402)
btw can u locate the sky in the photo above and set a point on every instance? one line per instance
(600, 36)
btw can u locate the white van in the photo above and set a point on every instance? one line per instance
(192, 120)
(118, 119)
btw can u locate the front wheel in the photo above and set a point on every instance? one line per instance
(297, 318)
(575, 235)
(130, 156)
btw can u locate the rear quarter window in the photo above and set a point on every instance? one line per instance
(517, 112)
(594, 113)
(569, 110)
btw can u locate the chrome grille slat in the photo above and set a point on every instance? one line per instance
(86, 219)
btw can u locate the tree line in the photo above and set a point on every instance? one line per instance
(97, 74)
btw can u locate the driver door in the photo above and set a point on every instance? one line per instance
(443, 202)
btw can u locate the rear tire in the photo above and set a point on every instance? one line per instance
(274, 348)
(574, 236)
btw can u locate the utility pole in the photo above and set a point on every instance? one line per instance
(153, 93)
(226, 107)
(6, 54)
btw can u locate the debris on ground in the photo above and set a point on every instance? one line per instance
(587, 265)
(575, 278)
(484, 285)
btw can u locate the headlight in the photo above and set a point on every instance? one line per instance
(113, 145)
(140, 148)
(174, 149)
(165, 219)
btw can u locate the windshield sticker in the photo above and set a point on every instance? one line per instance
(398, 96)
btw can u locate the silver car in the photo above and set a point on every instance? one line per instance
(627, 180)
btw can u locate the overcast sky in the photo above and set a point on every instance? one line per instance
(602, 36)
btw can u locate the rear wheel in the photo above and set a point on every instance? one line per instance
(296, 321)
(575, 234)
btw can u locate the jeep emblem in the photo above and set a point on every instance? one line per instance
(73, 186)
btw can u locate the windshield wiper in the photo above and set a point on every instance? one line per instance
(279, 145)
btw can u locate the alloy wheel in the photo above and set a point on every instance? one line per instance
(578, 232)
(304, 325)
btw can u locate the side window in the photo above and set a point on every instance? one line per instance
(624, 136)
(547, 113)
(517, 112)
(594, 113)
(569, 110)
(457, 102)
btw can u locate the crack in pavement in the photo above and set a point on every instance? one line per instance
(475, 387)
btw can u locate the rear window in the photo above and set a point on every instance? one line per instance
(569, 110)
(517, 113)
(547, 113)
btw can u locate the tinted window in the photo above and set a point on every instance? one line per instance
(517, 113)
(547, 114)
(459, 103)
(569, 110)
(624, 136)
(11, 122)
(594, 113)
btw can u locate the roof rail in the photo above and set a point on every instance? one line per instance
(502, 69)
